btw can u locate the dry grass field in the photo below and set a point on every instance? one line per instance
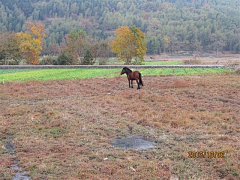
(63, 129)
(224, 59)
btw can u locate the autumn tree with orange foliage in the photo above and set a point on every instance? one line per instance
(129, 43)
(31, 42)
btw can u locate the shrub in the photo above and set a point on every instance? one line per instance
(9, 62)
(88, 59)
(65, 58)
(49, 60)
(13, 62)
(137, 61)
(103, 61)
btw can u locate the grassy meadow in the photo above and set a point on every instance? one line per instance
(62, 123)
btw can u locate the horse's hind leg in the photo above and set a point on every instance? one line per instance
(138, 83)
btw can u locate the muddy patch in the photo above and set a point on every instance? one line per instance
(133, 142)
(9, 145)
(11, 150)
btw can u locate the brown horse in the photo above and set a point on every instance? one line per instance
(133, 75)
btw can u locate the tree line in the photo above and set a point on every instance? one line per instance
(22, 45)
(15, 47)
(169, 25)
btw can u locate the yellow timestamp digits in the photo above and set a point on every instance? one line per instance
(205, 154)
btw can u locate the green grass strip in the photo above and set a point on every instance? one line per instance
(58, 74)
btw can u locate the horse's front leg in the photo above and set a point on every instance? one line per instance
(132, 83)
(129, 83)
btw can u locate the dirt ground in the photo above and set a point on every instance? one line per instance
(64, 129)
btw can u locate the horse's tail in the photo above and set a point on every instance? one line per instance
(140, 79)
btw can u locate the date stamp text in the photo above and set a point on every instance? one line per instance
(205, 154)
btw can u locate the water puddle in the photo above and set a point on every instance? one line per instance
(21, 176)
(11, 150)
(133, 142)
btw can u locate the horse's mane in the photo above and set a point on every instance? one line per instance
(127, 69)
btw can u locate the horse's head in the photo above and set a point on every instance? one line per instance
(125, 70)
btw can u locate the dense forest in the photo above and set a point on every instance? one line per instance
(169, 25)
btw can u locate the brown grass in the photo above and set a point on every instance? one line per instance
(224, 59)
(63, 129)
(237, 70)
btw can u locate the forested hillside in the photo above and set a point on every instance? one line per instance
(169, 25)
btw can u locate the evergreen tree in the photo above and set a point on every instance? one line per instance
(88, 58)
